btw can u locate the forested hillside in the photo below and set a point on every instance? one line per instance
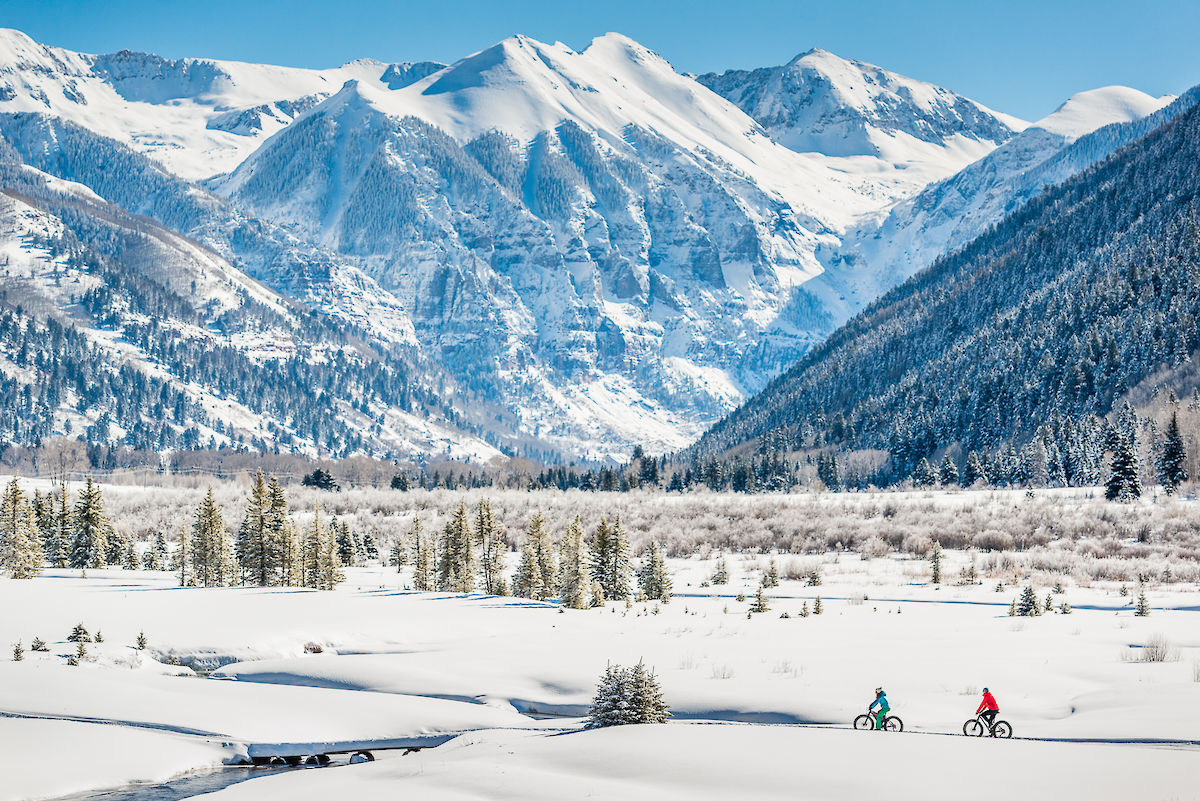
(1023, 338)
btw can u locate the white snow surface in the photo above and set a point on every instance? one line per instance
(398, 663)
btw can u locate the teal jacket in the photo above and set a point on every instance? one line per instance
(881, 702)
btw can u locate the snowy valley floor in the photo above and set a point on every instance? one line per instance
(516, 675)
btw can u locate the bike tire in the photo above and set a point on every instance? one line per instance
(864, 722)
(1002, 729)
(973, 728)
(893, 724)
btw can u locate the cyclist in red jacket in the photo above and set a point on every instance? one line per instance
(989, 708)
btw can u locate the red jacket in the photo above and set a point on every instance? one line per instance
(988, 703)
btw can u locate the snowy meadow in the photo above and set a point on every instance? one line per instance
(785, 613)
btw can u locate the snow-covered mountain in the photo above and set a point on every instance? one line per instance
(881, 253)
(587, 248)
(818, 102)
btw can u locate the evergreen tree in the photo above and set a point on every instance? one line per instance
(282, 549)
(92, 530)
(1143, 605)
(574, 582)
(493, 544)
(183, 556)
(611, 704)
(21, 554)
(424, 578)
(975, 472)
(948, 471)
(370, 549)
(211, 551)
(645, 696)
(761, 603)
(456, 555)
(654, 580)
(924, 475)
(1123, 482)
(254, 548)
(1172, 459)
(611, 567)
(771, 576)
(398, 555)
(935, 563)
(817, 608)
(347, 549)
(129, 559)
(720, 573)
(537, 571)
(1027, 605)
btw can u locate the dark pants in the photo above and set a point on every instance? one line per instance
(990, 716)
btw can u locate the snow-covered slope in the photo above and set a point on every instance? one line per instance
(880, 253)
(198, 117)
(904, 132)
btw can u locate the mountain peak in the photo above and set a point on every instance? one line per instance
(1091, 109)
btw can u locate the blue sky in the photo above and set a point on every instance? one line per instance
(1014, 55)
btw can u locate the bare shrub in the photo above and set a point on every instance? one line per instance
(876, 548)
(1159, 649)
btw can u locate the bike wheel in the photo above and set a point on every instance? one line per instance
(1002, 729)
(973, 728)
(893, 724)
(864, 722)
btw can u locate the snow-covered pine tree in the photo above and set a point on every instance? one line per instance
(935, 563)
(948, 472)
(611, 564)
(1143, 605)
(761, 603)
(611, 703)
(329, 562)
(537, 571)
(398, 555)
(1027, 605)
(924, 475)
(456, 553)
(771, 576)
(21, 554)
(645, 696)
(574, 581)
(346, 550)
(92, 529)
(817, 608)
(975, 471)
(369, 547)
(424, 579)
(654, 580)
(129, 560)
(211, 549)
(252, 546)
(720, 574)
(1172, 458)
(1124, 483)
(283, 549)
(492, 544)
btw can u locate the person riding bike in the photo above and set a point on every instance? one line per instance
(988, 709)
(882, 702)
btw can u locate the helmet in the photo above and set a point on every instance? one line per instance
(985, 689)
(879, 691)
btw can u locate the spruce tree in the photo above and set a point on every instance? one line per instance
(654, 580)
(935, 563)
(346, 547)
(1172, 459)
(975, 472)
(1027, 605)
(424, 579)
(574, 581)
(948, 471)
(611, 704)
(1143, 605)
(456, 554)
(253, 547)
(492, 544)
(761, 604)
(211, 549)
(21, 554)
(720, 574)
(183, 557)
(537, 571)
(611, 564)
(817, 608)
(924, 475)
(329, 562)
(645, 696)
(92, 530)
(771, 576)
(1123, 483)
(282, 548)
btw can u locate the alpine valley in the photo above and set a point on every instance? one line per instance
(534, 252)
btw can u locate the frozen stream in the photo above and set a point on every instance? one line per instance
(183, 787)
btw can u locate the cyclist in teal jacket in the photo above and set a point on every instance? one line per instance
(882, 702)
